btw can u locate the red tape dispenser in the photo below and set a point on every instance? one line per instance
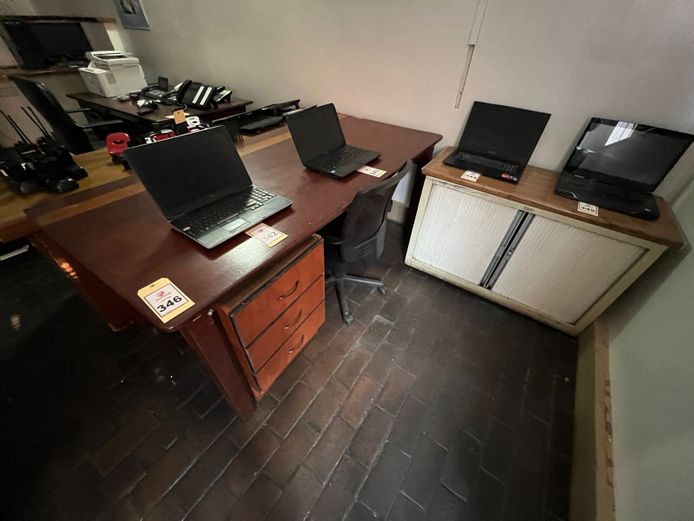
(117, 143)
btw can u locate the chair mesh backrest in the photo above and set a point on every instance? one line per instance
(364, 227)
(43, 100)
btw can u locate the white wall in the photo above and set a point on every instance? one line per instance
(401, 61)
(651, 363)
(627, 59)
(395, 61)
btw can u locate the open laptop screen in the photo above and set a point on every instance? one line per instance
(187, 172)
(501, 132)
(316, 131)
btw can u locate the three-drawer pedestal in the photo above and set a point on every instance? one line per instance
(278, 315)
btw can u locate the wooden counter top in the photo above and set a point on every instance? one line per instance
(536, 189)
(13, 221)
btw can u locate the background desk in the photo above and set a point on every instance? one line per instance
(127, 110)
(113, 240)
(564, 270)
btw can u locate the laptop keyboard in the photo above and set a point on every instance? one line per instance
(226, 211)
(485, 161)
(344, 155)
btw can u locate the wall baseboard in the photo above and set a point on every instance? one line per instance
(592, 484)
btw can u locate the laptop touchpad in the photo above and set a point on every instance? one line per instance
(233, 225)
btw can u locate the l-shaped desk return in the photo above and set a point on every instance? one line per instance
(526, 248)
(112, 241)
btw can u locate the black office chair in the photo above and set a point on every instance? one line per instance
(356, 240)
(65, 129)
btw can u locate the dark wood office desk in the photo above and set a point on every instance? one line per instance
(113, 241)
(127, 110)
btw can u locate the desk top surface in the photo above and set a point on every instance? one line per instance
(128, 107)
(118, 233)
(536, 189)
(14, 223)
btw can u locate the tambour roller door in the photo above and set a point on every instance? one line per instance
(460, 233)
(561, 270)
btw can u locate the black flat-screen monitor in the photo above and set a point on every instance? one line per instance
(625, 153)
(43, 43)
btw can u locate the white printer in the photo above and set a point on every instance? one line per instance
(112, 73)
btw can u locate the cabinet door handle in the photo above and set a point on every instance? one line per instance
(290, 292)
(297, 346)
(296, 321)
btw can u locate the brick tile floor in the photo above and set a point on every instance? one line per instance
(434, 404)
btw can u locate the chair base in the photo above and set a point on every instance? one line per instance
(339, 281)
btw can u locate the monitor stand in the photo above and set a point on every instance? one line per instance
(605, 195)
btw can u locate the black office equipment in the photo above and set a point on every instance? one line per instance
(257, 120)
(158, 91)
(197, 95)
(201, 185)
(65, 130)
(41, 166)
(498, 140)
(355, 241)
(321, 145)
(617, 164)
(42, 43)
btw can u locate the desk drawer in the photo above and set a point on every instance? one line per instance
(272, 300)
(290, 349)
(269, 341)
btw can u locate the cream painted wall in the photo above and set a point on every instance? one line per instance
(627, 59)
(401, 61)
(395, 61)
(651, 363)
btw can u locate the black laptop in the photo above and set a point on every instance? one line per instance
(202, 187)
(321, 145)
(498, 140)
(617, 164)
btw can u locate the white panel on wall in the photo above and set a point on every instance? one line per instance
(460, 233)
(561, 270)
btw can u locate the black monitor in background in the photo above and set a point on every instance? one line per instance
(187, 172)
(628, 154)
(37, 44)
(505, 133)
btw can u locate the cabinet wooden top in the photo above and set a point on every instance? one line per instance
(536, 189)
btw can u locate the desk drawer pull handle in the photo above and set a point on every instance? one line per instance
(296, 321)
(290, 292)
(297, 346)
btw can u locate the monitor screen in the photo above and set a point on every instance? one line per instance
(189, 171)
(61, 41)
(316, 131)
(502, 132)
(627, 153)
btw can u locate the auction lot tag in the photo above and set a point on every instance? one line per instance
(165, 299)
(368, 170)
(266, 234)
(469, 175)
(590, 209)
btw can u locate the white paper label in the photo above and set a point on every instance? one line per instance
(376, 172)
(266, 234)
(469, 175)
(165, 299)
(590, 209)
